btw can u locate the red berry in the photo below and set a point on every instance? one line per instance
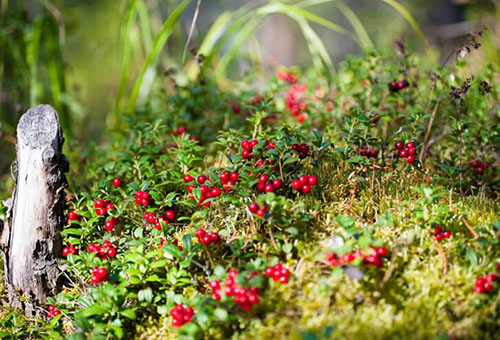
(188, 178)
(410, 159)
(245, 145)
(312, 180)
(65, 251)
(224, 177)
(201, 179)
(254, 142)
(438, 230)
(190, 188)
(51, 308)
(303, 179)
(478, 289)
(214, 237)
(176, 322)
(205, 239)
(268, 188)
(200, 232)
(234, 176)
(487, 286)
(169, 214)
(109, 225)
(403, 153)
(253, 207)
(446, 234)
(271, 145)
(56, 312)
(236, 109)
(117, 181)
(95, 279)
(102, 272)
(306, 188)
(399, 145)
(475, 163)
(111, 252)
(98, 203)
(381, 251)
(373, 153)
(296, 184)
(480, 171)
(410, 145)
(277, 183)
(260, 212)
(394, 86)
(245, 154)
(263, 178)
(491, 277)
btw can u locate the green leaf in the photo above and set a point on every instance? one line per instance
(287, 247)
(173, 250)
(472, 256)
(145, 295)
(186, 240)
(153, 56)
(129, 313)
(221, 314)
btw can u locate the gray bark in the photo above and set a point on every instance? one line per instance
(30, 242)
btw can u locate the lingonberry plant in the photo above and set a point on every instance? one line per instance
(370, 199)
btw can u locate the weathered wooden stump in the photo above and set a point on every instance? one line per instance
(30, 242)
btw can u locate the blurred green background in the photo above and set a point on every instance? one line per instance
(94, 59)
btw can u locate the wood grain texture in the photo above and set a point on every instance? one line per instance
(30, 241)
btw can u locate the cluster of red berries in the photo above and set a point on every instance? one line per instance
(53, 311)
(244, 297)
(371, 256)
(69, 250)
(111, 223)
(73, 216)
(181, 315)
(167, 217)
(396, 86)
(440, 233)
(228, 179)
(255, 209)
(206, 191)
(479, 166)
(247, 147)
(304, 183)
(406, 151)
(367, 152)
(99, 274)
(295, 100)
(102, 251)
(102, 207)
(143, 198)
(287, 76)
(265, 186)
(485, 283)
(207, 238)
(302, 149)
(117, 182)
(278, 273)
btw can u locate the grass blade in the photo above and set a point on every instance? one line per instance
(125, 62)
(409, 18)
(213, 35)
(363, 36)
(152, 57)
